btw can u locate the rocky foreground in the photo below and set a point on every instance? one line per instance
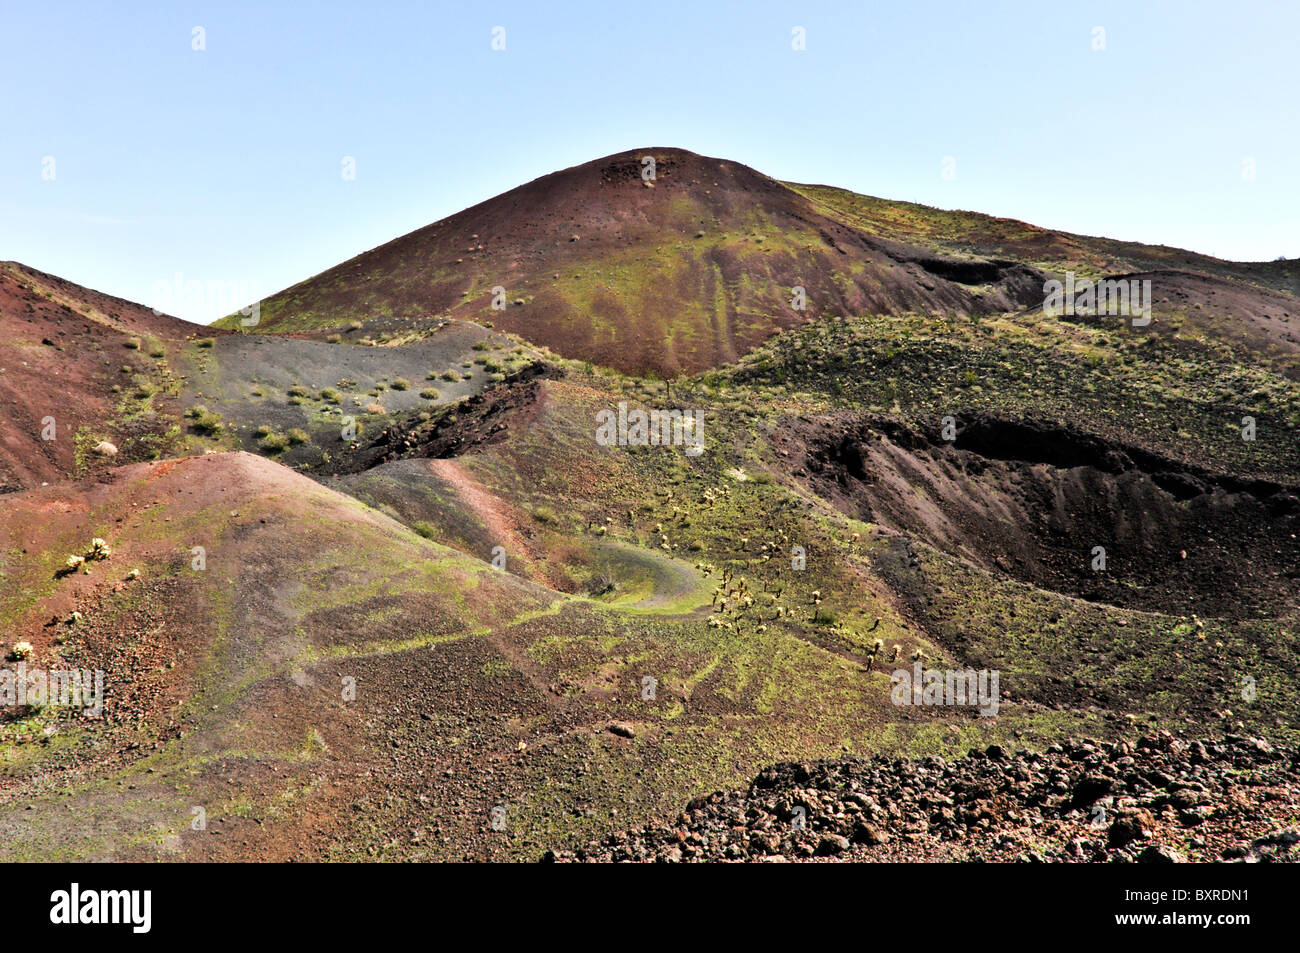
(1160, 800)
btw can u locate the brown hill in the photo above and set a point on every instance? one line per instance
(685, 272)
(92, 364)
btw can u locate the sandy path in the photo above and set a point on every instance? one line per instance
(494, 514)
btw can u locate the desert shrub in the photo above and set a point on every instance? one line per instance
(206, 342)
(206, 422)
(355, 325)
(330, 395)
(131, 344)
(297, 436)
(375, 409)
(298, 390)
(544, 514)
(430, 393)
(334, 339)
(450, 376)
(401, 384)
(424, 529)
(264, 430)
(274, 442)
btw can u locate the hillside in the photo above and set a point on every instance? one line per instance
(431, 597)
(686, 272)
(93, 364)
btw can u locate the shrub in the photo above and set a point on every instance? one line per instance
(355, 325)
(430, 393)
(375, 409)
(263, 431)
(131, 344)
(334, 339)
(450, 376)
(297, 436)
(424, 529)
(401, 384)
(544, 514)
(206, 422)
(274, 442)
(206, 342)
(22, 650)
(298, 390)
(330, 395)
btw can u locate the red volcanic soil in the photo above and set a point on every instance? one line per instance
(62, 350)
(238, 664)
(1262, 322)
(676, 275)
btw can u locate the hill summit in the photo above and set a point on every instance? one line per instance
(651, 261)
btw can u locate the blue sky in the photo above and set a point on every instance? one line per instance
(226, 163)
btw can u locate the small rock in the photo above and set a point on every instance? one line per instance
(832, 844)
(1160, 855)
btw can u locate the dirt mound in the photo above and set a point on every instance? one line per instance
(77, 368)
(226, 617)
(483, 418)
(1235, 799)
(683, 272)
(1035, 501)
